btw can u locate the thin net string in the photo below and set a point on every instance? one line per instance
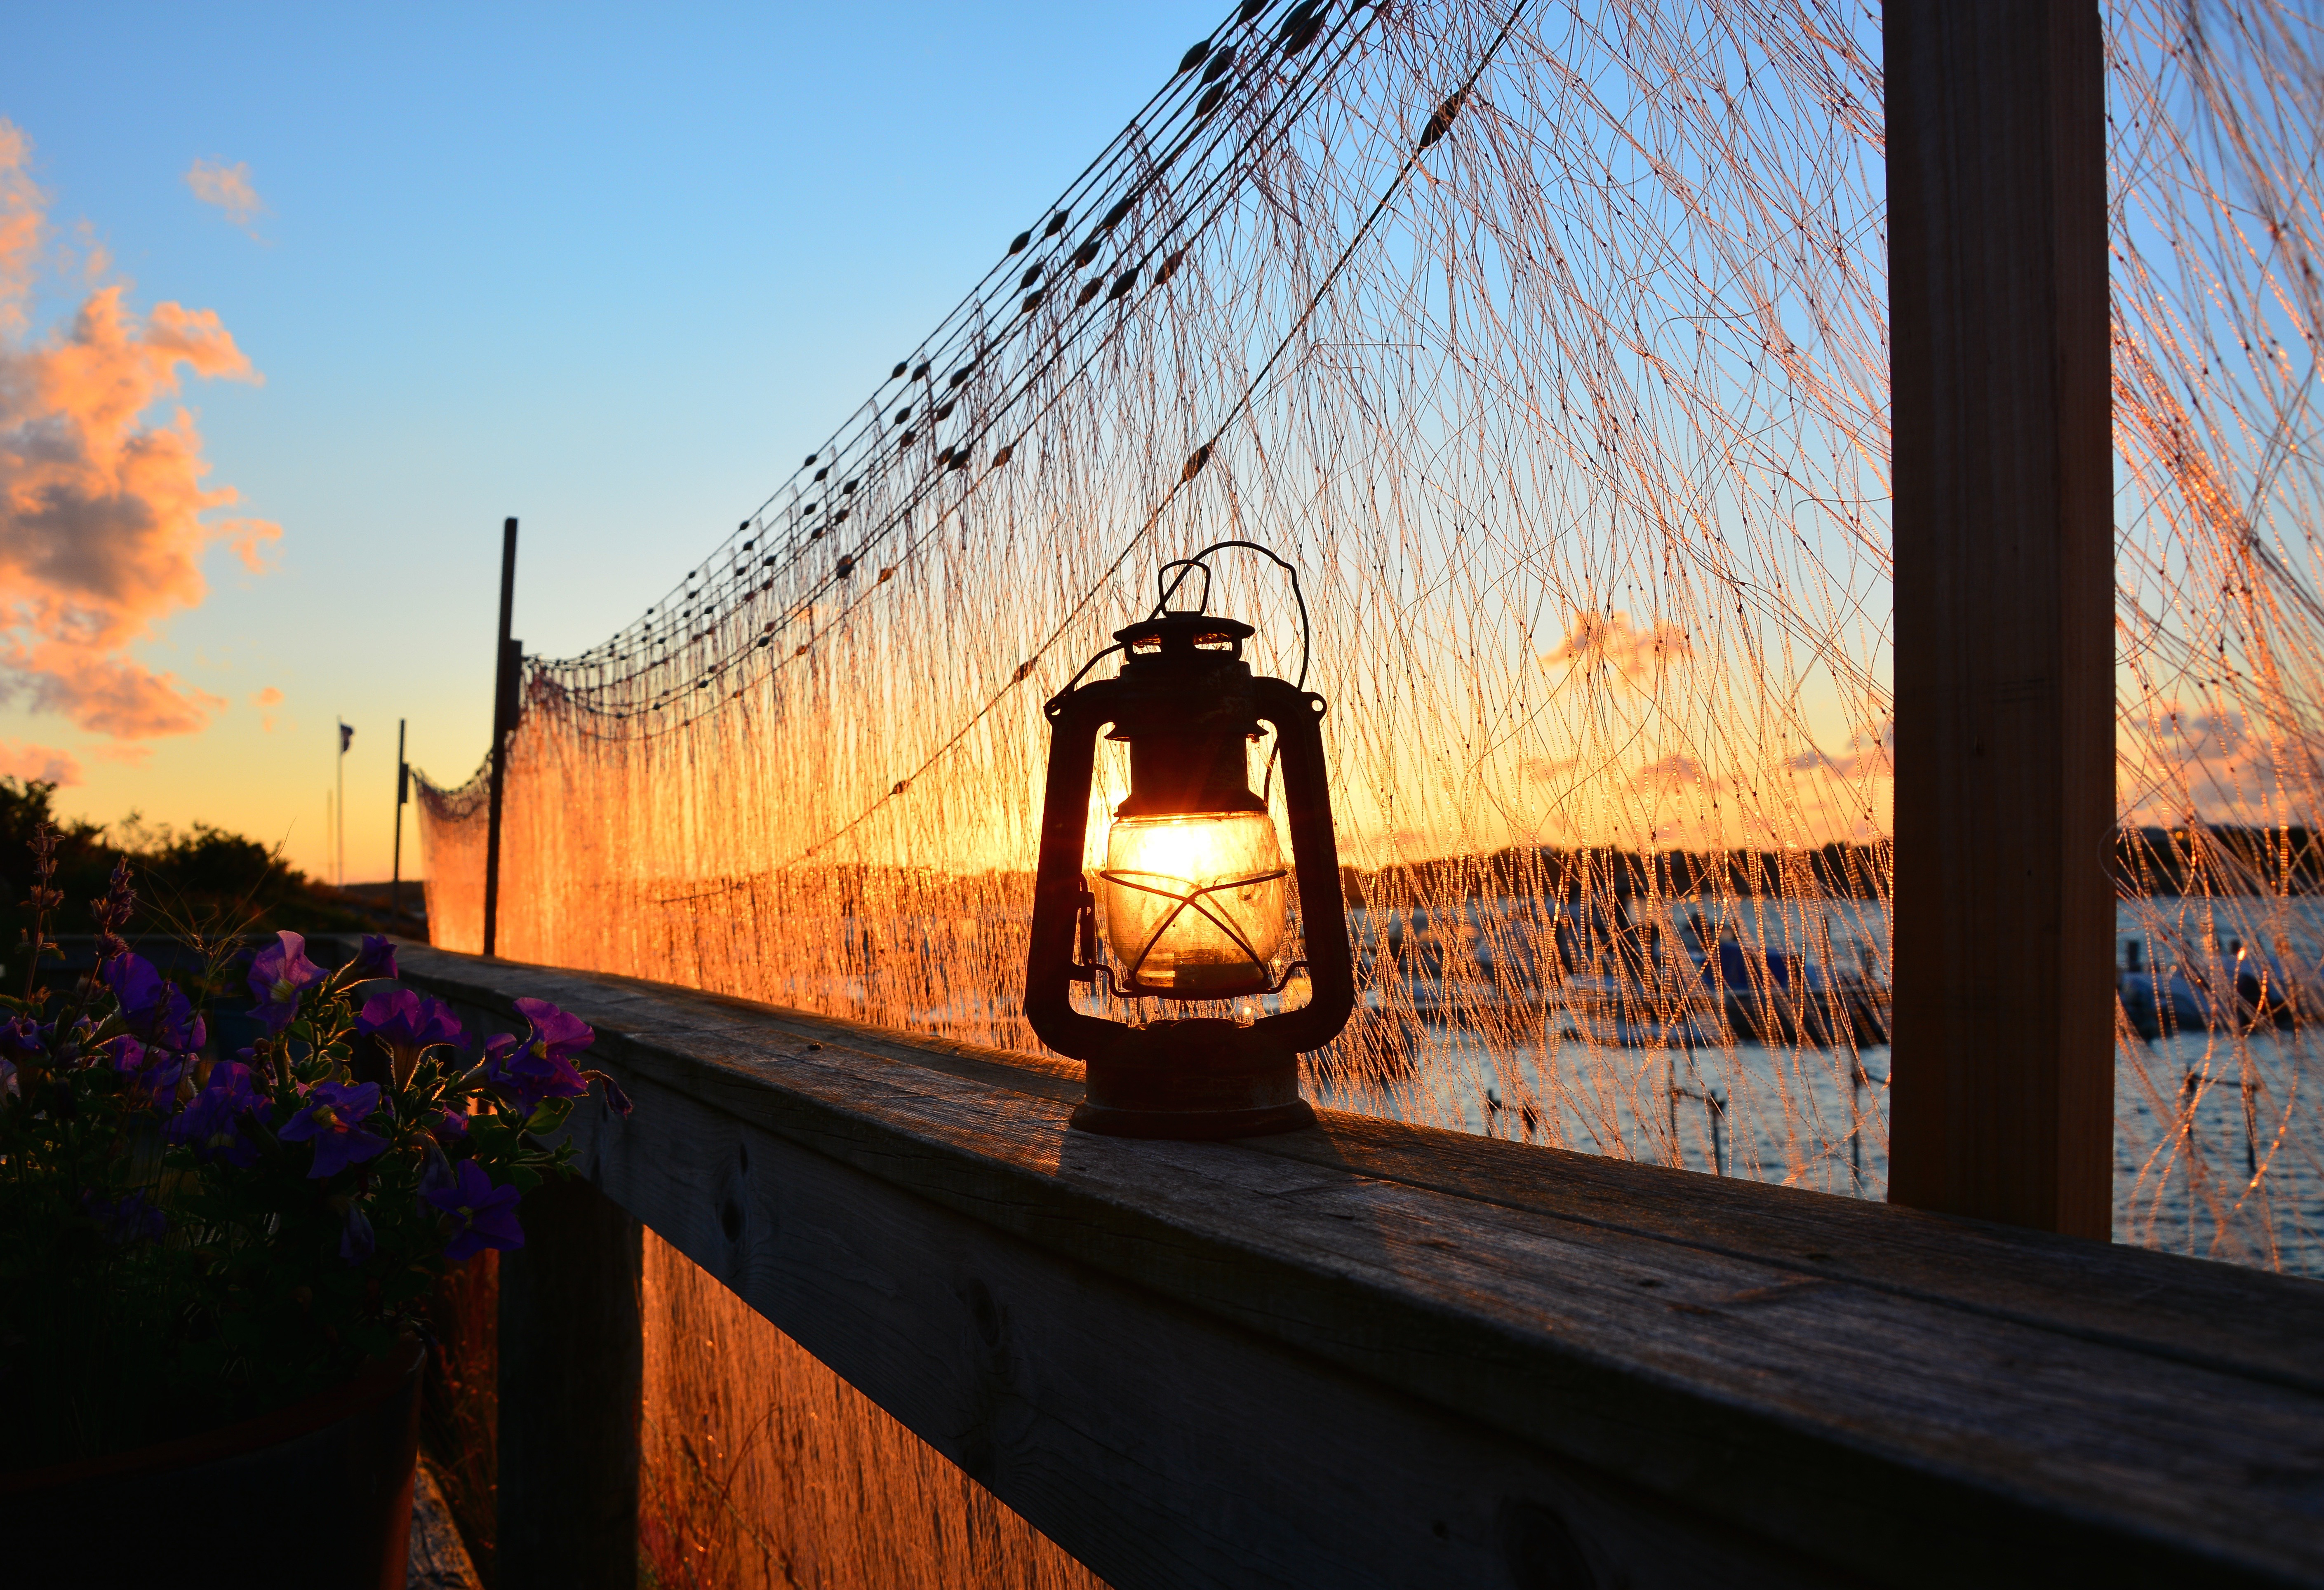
(1574, 421)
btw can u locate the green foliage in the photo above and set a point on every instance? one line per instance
(83, 858)
(205, 883)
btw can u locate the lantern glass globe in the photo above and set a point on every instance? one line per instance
(1195, 905)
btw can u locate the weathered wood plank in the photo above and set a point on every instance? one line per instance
(2001, 1106)
(1671, 1338)
(2161, 1303)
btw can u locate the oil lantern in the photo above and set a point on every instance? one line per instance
(1193, 894)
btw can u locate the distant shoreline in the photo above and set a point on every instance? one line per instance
(2154, 863)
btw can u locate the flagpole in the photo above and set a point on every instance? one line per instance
(339, 835)
(403, 794)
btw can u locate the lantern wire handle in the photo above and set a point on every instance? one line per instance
(1190, 565)
(1187, 565)
(1057, 703)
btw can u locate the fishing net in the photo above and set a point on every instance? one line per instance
(1549, 345)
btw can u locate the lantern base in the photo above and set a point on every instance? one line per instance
(1200, 1078)
(1194, 1124)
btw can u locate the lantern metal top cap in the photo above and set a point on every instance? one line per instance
(1183, 639)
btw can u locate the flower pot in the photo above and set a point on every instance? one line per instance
(317, 1494)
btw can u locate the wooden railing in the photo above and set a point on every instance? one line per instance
(1381, 1354)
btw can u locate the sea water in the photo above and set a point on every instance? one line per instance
(2218, 1148)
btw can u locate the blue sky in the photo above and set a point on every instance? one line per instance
(612, 271)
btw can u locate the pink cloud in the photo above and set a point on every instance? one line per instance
(1671, 775)
(1867, 756)
(1610, 642)
(19, 760)
(2213, 761)
(251, 540)
(1543, 770)
(266, 701)
(21, 215)
(228, 187)
(102, 506)
(107, 694)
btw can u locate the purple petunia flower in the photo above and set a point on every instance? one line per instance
(169, 1021)
(333, 1116)
(162, 1073)
(149, 1068)
(154, 1010)
(405, 1023)
(278, 974)
(376, 960)
(482, 1215)
(131, 1218)
(21, 1039)
(555, 1032)
(77, 1045)
(526, 1077)
(218, 1120)
(539, 1065)
(132, 979)
(356, 1243)
(435, 1171)
(616, 1096)
(449, 1133)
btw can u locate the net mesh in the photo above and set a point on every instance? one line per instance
(1551, 345)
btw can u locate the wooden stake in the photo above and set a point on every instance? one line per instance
(504, 714)
(2002, 1106)
(572, 1374)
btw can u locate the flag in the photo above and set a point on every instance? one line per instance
(345, 736)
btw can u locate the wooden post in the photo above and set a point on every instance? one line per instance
(2003, 1058)
(504, 713)
(572, 1371)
